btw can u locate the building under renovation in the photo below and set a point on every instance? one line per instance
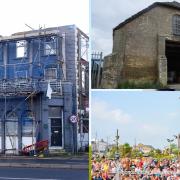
(43, 83)
(146, 48)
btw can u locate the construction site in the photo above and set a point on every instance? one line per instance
(44, 91)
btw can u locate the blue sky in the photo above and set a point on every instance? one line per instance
(150, 117)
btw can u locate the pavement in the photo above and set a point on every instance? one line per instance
(68, 162)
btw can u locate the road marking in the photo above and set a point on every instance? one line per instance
(26, 178)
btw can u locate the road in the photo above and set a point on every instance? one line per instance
(42, 174)
(51, 162)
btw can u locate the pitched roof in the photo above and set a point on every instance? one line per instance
(173, 4)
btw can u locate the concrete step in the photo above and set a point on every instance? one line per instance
(57, 152)
(174, 86)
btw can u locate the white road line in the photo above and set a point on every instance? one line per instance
(26, 178)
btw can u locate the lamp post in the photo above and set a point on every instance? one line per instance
(170, 141)
(178, 142)
(117, 156)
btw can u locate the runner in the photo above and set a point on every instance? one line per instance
(135, 169)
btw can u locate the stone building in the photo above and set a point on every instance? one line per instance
(99, 146)
(144, 148)
(42, 85)
(146, 48)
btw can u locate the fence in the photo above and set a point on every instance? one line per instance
(96, 69)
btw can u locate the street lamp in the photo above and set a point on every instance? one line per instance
(117, 156)
(178, 141)
(170, 141)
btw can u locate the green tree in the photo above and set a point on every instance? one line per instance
(112, 151)
(136, 153)
(125, 150)
(174, 149)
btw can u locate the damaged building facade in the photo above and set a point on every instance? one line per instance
(42, 80)
(146, 48)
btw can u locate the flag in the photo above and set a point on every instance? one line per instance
(49, 91)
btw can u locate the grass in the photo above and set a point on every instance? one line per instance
(140, 85)
(90, 156)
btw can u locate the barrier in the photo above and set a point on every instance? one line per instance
(35, 148)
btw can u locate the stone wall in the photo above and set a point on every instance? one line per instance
(111, 71)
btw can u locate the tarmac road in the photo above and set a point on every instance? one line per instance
(53, 162)
(11, 173)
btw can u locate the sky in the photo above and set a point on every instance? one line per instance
(49, 13)
(108, 14)
(150, 117)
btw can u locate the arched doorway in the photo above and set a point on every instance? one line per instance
(11, 133)
(28, 128)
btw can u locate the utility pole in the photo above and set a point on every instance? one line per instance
(117, 157)
(96, 142)
(117, 141)
(135, 143)
(170, 141)
(178, 139)
(107, 146)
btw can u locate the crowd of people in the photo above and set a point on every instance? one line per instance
(135, 169)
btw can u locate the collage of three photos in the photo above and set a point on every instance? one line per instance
(135, 99)
(90, 89)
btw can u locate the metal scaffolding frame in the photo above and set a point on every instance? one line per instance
(96, 69)
(30, 87)
(83, 54)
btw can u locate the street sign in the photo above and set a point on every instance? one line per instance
(74, 119)
(117, 155)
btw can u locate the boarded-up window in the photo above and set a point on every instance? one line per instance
(50, 73)
(11, 124)
(21, 74)
(176, 25)
(27, 126)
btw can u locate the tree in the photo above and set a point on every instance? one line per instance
(136, 153)
(125, 150)
(174, 149)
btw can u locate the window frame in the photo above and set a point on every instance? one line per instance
(84, 130)
(22, 71)
(11, 125)
(52, 50)
(45, 71)
(1, 52)
(83, 76)
(19, 46)
(176, 24)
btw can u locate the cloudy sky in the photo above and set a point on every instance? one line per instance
(150, 117)
(108, 14)
(51, 13)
